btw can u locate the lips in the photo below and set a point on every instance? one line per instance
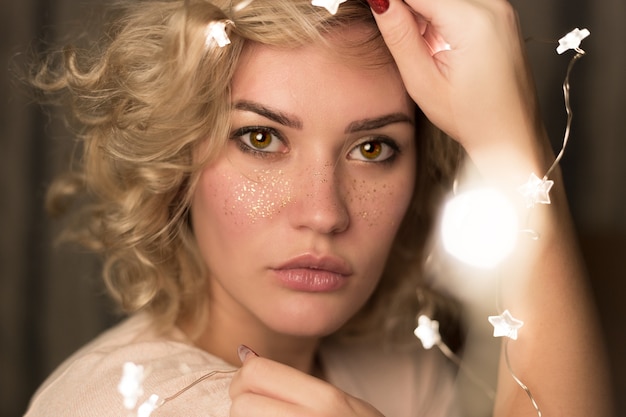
(310, 273)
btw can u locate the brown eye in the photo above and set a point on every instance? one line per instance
(371, 150)
(374, 150)
(260, 139)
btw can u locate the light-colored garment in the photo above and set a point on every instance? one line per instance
(399, 384)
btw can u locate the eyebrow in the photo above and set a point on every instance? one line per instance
(269, 113)
(378, 122)
(295, 122)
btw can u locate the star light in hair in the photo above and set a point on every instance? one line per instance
(536, 190)
(331, 5)
(241, 5)
(572, 40)
(427, 331)
(215, 32)
(505, 325)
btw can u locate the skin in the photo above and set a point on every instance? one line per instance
(314, 191)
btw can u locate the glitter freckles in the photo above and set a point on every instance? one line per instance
(263, 195)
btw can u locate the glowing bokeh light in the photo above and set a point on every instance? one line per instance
(479, 227)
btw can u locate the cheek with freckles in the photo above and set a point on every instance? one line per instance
(258, 195)
(375, 204)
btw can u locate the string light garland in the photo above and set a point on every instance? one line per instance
(535, 191)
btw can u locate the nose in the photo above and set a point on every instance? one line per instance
(319, 201)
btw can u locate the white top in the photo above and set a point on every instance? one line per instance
(402, 383)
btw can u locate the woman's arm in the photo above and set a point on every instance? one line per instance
(464, 64)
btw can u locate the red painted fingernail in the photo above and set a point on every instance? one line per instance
(243, 351)
(379, 6)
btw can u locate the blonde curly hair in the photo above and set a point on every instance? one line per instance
(147, 96)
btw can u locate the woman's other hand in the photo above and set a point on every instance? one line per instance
(263, 388)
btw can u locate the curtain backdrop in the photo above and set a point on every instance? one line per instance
(51, 300)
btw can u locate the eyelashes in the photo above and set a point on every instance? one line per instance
(377, 149)
(260, 141)
(264, 142)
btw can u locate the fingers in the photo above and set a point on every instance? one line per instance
(263, 387)
(407, 36)
(249, 404)
(402, 30)
(263, 407)
(462, 87)
(272, 379)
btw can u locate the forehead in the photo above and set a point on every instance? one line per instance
(358, 44)
(348, 65)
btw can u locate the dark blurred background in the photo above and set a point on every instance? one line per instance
(50, 298)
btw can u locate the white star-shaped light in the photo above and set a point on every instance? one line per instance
(131, 384)
(505, 325)
(215, 32)
(427, 332)
(536, 190)
(572, 40)
(331, 5)
(149, 406)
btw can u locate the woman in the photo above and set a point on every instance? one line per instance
(277, 192)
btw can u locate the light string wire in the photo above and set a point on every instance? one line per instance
(131, 388)
(196, 382)
(507, 357)
(454, 358)
(534, 235)
(519, 382)
(568, 108)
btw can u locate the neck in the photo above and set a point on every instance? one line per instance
(224, 332)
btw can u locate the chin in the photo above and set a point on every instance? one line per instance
(307, 325)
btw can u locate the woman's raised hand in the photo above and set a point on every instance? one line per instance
(464, 64)
(263, 388)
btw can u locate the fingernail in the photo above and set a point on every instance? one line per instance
(243, 351)
(379, 6)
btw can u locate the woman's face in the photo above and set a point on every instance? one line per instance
(295, 220)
